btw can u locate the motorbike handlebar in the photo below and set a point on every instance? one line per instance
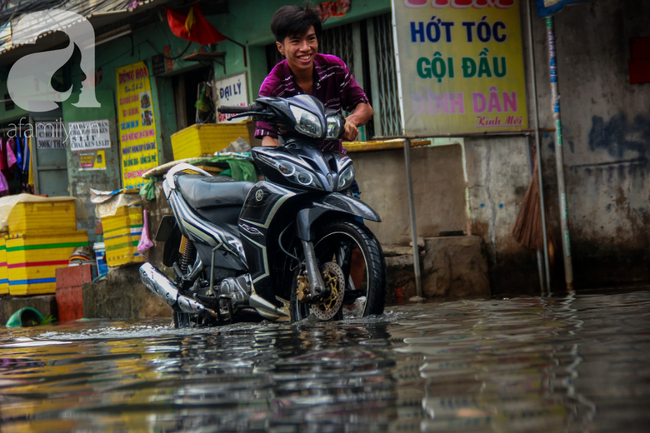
(236, 109)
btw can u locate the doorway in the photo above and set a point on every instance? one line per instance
(186, 92)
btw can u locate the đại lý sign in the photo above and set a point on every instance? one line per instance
(231, 90)
(460, 65)
(137, 126)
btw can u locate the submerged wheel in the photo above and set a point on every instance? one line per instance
(336, 245)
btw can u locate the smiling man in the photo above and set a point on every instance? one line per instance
(297, 32)
(304, 71)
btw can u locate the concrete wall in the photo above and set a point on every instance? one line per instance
(607, 134)
(498, 176)
(439, 190)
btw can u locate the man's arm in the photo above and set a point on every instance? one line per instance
(270, 87)
(361, 115)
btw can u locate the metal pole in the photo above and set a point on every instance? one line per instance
(414, 229)
(559, 156)
(533, 74)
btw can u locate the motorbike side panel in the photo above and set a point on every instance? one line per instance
(210, 235)
(263, 202)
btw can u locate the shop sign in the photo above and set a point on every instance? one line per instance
(92, 160)
(93, 134)
(460, 65)
(137, 123)
(50, 135)
(161, 63)
(231, 91)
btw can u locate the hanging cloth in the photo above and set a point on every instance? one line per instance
(25, 163)
(19, 155)
(3, 159)
(24, 179)
(4, 186)
(11, 155)
(30, 174)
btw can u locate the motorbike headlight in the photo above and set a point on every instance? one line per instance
(334, 126)
(294, 173)
(306, 122)
(346, 178)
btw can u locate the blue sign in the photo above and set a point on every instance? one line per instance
(546, 8)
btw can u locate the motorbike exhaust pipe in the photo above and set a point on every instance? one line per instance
(158, 283)
(165, 289)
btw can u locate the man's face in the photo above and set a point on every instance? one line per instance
(300, 50)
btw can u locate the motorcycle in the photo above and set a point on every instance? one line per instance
(279, 249)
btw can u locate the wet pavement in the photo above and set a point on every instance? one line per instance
(523, 364)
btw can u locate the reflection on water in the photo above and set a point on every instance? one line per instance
(573, 363)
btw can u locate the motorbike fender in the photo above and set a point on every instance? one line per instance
(334, 202)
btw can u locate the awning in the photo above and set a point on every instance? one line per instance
(102, 14)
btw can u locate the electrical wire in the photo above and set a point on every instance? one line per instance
(181, 54)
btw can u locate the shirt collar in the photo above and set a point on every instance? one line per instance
(318, 62)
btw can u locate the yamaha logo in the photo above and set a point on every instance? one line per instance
(259, 195)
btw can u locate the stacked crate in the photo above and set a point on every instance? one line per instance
(41, 238)
(122, 232)
(4, 278)
(206, 139)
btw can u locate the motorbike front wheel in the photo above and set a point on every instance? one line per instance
(338, 242)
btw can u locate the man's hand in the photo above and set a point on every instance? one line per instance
(361, 116)
(351, 131)
(269, 141)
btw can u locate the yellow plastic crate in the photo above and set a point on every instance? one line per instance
(123, 254)
(122, 234)
(4, 279)
(32, 259)
(208, 138)
(31, 217)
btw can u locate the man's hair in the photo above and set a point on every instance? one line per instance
(295, 21)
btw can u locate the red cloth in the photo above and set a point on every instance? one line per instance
(201, 31)
(3, 152)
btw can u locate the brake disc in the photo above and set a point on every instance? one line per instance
(334, 279)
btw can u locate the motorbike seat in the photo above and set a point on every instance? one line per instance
(207, 192)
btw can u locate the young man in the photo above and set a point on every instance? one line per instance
(303, 71)
(297, 32)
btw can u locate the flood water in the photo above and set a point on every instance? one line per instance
(522, 364)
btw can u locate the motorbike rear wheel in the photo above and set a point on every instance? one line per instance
(335, 243)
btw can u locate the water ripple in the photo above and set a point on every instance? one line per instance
(521, 364)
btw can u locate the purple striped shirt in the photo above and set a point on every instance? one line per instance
(334, 86)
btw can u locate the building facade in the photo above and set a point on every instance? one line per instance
(470, 184)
